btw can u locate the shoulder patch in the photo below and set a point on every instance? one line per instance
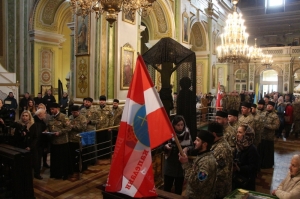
(202, 175)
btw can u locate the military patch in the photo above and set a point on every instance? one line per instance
(202, 175)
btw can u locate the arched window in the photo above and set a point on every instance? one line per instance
(240, 80)
(269, 81)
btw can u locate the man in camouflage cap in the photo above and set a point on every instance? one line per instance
(223, 154)
(201, 173)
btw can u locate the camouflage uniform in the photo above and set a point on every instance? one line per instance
(78, 125)
(117, 116)
(223, 155)
(201, 176)
(258, 127)
(248, 119)
(92, 116)
(229, 133)
(106, 117)
(271, 123)
(296, 118)
(58, 124)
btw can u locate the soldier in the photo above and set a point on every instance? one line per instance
(117, 116)
(91, 114)
(222, 118)
(201, 174)
(223, 155)
(77, 125)
(288, 115)
(231, 131)
(258, 126)
(59, 156)
(266, 99)
(246, 117)
(271, 123)
(106, 120)
(260, 107)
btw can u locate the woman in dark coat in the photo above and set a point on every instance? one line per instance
(173, 172)
(38, 141)
(246, 159)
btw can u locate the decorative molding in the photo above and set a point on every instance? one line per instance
(46, 68)
(82, 76)
(46, 37)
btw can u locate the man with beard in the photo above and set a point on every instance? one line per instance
(117, 116)
(260, 107)
(233, 124)
(91, 114)
(258, 125)
(271, 124)
(201, 174)
(223, 154)
(246, 117)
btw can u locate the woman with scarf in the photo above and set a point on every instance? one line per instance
(246, 159)
(173, 172)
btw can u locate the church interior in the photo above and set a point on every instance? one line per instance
(44, 42)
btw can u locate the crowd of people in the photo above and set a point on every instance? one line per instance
(235, 147)
(45, 128)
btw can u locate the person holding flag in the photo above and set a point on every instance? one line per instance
(145, 125)
(173, 172)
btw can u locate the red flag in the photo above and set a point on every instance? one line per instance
(144, 126)
(219, 97)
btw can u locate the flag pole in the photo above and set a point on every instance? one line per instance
(178, 144)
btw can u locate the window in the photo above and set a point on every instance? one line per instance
(275, 3)
(274, 6)
(241, 80)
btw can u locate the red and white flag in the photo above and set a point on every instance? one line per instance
(144, 126)
(219, 97)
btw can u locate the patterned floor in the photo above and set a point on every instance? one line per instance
(88, 186)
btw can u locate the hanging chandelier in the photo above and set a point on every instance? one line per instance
(267, 60)
(234, 47)
(255, 53)
(111, 7)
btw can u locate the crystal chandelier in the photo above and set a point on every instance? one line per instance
(255, 53)
(267, 60)
(234, 47)
(111, 7)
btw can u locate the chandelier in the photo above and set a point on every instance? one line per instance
(255, 53)
(234, 47)
(111, 7)
(267, 60)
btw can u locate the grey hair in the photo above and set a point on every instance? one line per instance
(40, 111)
(297, 157)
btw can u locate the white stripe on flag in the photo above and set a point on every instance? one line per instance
(152, 100)
(130, 109)
(130, 192)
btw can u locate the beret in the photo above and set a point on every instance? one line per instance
(206, 136)
(75, 108)
(246, 104)
(221, 114)
(261, 102)
(233, 112)
(102, 98)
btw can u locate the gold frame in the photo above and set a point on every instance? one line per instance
(45, 88)
(79, 22)
(185, 28)
(128, 18)
(127, 64)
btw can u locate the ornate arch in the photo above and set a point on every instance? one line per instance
(262, 68)
(198, 37)
(160, 22)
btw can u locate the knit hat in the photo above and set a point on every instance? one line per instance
(261, 102)
(75, 108)
(206, 136)
(253, 106)
(89, 99)
(102, 98)
(221, 114)
(246, 104)
(271, 103)
(233, 112)
(116, 100)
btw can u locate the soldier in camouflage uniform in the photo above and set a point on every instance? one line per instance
(224, 101)
(223, 155)
(271, 123)
(260, 108)
(258, 126)
(201, 173)
(246, 117)
(78, 125)
(91, 114)
(59, 156)
(106, 120)
(233, 124)
(116, 119)
(296, 117)
(237, 101)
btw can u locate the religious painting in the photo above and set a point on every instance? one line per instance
(185, 28)
(45, 88)
(129, 17)
(127, 59)
(82, 35)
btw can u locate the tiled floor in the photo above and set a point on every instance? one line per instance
(89, 185)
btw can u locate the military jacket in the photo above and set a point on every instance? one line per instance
(271, 124)
(58, 124)
(201, 176)
(117, 116)
(223, 155)
(258, 127)
(78, 125)
(249, 120)
(230, 132)
(106, 117)
(92, 116)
